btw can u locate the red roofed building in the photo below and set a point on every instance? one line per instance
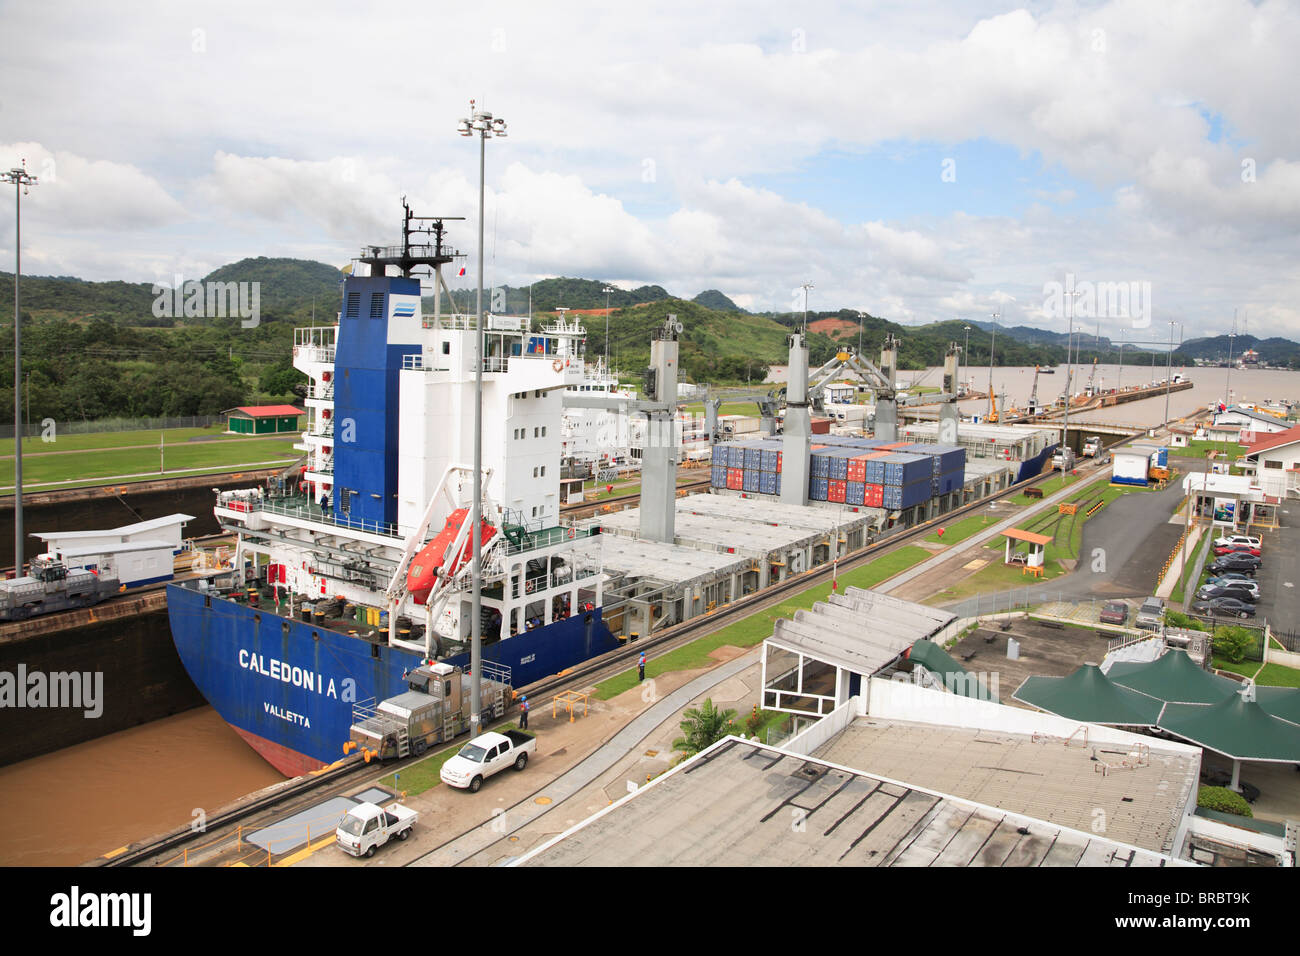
(1277, 463)
(263, 419)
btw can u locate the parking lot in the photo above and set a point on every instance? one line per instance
(1279, 579)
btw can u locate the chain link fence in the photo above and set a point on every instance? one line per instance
(38, 429)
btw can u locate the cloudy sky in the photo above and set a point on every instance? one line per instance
(917, 161)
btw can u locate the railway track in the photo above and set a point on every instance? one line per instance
(348, 774)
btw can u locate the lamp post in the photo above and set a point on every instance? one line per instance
(486, 126)
(607, 290)
(1119, 382)
(1169, 373)
(806, 286)
(20, 178)
(1069, 375)
(992, 341)
(964, 352)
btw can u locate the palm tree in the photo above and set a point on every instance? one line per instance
(703, 727)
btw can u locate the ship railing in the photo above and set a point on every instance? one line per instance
(549, 537)
(321, 391)
(454, 321)
(293, 506)
(315, 336)
(314, 353)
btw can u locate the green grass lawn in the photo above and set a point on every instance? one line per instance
(1245, 668)
(1199, 448)
(424, 774)
(1190, 575)
(149, 437)
(758, 626)
(1276, 675)
(109, 461)
(962, 529)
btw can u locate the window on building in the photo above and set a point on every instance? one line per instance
(1272, 464)
(446, 348)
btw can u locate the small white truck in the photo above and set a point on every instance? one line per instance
(485, 755)
(368, 826)
(1092, 447)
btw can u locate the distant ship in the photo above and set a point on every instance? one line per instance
(360, 560)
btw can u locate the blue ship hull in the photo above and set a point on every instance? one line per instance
(288, 687)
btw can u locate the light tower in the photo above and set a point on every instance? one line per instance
(486, 126)
(23, 181)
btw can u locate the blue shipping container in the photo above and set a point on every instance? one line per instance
(855, 493)
(818, 488)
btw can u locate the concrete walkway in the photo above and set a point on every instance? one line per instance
(586, 772)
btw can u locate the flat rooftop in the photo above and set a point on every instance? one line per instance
(745, 804)
(658, 562)
(1036, 776)
(753, 526)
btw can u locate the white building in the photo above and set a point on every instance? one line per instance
(139, 553)
(1277, 464)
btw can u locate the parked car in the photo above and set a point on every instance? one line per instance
(1225, 606)
(1247, 563)
(1222, 580)
(1237, 589)
(1221, 549)
(485, 755)
(1114, 612)
(368, 826)
(1151, 614)
(1229, 540)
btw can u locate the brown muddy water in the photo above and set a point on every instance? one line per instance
(65, 808)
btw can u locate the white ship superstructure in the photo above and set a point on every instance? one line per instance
(389, 452)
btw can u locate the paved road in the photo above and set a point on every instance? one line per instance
(1122, 551)
(586, 772)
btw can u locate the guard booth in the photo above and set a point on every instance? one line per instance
(1033, 556)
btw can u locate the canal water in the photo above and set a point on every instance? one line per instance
(67, 807)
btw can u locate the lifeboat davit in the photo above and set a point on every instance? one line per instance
(429, 563)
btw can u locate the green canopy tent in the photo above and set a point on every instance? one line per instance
(1174, 678)
(1088, 695)
(1281, 702)
(949, 673)
(1237, 727)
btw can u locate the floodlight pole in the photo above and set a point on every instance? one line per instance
(22, 181)
(486, 126)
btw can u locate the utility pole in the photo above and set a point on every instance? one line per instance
(20, 178)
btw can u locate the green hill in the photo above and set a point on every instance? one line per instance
(713, 299)
(547, 294)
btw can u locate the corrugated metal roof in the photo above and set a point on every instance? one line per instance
(265, 411)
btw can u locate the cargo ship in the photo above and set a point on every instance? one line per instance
(353, 569)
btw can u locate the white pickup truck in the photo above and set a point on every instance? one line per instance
(368, 826)
(485, 755)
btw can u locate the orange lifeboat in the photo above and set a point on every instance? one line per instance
(429, 563)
